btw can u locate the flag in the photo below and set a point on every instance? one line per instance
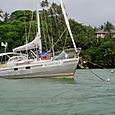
(4, 44)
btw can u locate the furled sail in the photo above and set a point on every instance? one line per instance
(31, 45)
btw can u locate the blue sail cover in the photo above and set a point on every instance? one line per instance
(42, 54)
(62, 55)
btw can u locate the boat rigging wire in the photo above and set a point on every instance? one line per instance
(60, 37)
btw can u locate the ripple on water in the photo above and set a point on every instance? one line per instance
(84, 95)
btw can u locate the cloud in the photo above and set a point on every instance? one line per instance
(90, 12)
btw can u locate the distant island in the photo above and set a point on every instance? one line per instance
(97, 43)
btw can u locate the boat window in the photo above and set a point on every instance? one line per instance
(15, 69)
(13, 59)
(28, 67)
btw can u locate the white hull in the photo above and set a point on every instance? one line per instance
(58, 68)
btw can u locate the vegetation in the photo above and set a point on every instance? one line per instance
(21, 25)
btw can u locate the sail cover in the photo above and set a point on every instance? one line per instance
(31, 45)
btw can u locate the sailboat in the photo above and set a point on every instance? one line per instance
(43, 65)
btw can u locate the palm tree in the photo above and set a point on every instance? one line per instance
(6, 16)
(1, 13)
(108, 26)
(44, 3)
(45, 26)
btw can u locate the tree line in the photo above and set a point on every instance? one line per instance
(22, 24)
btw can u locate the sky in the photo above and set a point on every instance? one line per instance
(88, 12)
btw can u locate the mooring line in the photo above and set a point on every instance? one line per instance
(97, 75)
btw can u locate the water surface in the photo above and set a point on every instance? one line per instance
(84, 95)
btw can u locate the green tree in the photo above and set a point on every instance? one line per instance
(23, 16)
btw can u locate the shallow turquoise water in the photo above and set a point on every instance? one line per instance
(84, 95)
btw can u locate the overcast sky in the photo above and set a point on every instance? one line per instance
(89, 12)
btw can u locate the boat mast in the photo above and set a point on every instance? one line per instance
(68, 25)
(39, 32)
